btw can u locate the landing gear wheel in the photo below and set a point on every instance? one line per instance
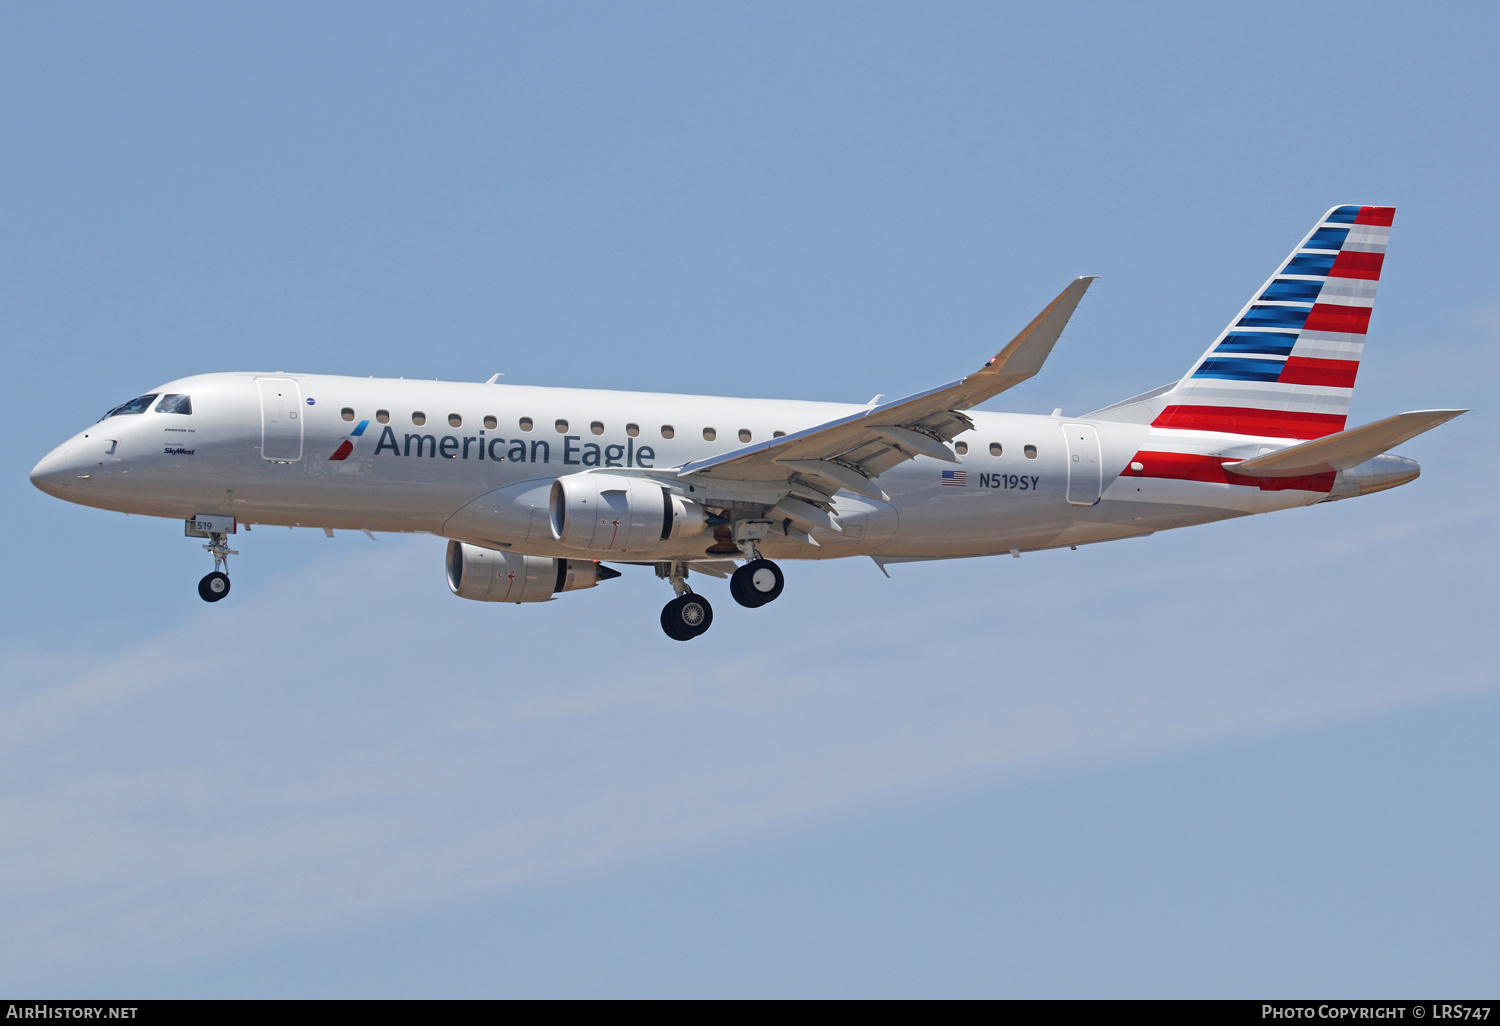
(214, 586)
(686, 617)
(756, 583)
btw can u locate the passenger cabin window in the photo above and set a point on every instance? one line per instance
(633, 430)
(778, 434)
(172, 403)
(419, 418)
(1030, 452)
(346, 413)
(597, 427)
(454, 420)
(745, 434)
(562, 427)
(383, 416)
(962, 448)
(996, 449)
(491, 423)
(709, 434)
(139, 405)
(667, 431)
(526, 424)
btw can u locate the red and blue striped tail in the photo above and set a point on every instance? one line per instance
(1285, 367)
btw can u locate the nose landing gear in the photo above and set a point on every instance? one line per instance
(216, 528)
(215, 586)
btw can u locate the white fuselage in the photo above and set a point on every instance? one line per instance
(476, 462)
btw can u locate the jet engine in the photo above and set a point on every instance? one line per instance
(489, 575)
(614, 513)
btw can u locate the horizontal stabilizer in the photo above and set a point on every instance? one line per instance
(1345, 449)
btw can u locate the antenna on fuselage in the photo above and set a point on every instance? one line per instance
(494, 378)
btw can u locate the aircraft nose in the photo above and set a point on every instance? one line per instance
(57, 471)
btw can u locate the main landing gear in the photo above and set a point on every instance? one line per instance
(689, 614)
(215, 586)
(686, 617)
(756, 583)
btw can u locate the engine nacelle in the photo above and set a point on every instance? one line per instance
(614, 513)
(489, 575)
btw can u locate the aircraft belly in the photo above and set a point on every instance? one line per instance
(1232, 499)
(282, 494)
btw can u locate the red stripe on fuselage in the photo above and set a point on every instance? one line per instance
(1305, 370)
(1244, 420)
(1376, 215)
(1328, 317)
(1192, 466)
(1357, 265)
(343, 451)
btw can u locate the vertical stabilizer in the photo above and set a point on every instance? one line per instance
(1285, 366)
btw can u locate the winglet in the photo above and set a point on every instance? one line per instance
(1024, 357)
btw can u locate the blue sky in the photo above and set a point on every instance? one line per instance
(1249, 758)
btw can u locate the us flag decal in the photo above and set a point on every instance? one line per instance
(956, 477)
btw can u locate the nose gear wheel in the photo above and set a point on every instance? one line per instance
(214, 586)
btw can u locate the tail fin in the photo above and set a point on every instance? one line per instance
(1285, 367)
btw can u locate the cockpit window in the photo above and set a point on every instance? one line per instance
(172, 403)
(140, 405)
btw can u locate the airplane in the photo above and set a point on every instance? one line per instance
(537, 489)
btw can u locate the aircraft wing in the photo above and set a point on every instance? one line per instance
(1345, 449)
(852, 451)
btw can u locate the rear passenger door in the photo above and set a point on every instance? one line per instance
(1085, 464)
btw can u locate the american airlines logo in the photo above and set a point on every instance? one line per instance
(347, 445)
